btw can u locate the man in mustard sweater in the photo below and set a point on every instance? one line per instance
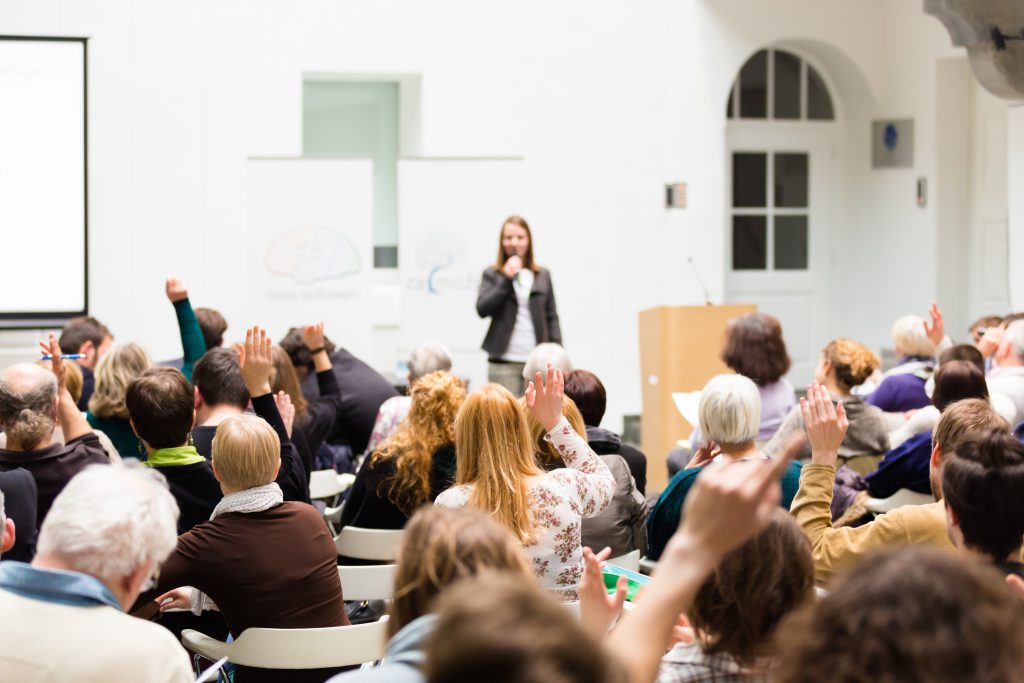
(835, 548)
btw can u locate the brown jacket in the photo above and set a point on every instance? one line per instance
(270, 569)
(835, 548)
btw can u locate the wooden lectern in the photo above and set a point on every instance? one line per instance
(679, 351)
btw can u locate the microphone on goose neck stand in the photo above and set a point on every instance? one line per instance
(700, 281)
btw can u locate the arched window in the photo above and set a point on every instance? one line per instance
(778, 85)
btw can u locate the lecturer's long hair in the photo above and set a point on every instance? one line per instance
(528, 256)
(495, 456)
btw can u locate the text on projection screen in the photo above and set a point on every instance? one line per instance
(42, 176)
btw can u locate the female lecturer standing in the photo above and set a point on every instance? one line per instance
(516, 294)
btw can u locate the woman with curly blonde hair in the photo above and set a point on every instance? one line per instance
(844, 364)
(118, 368)
(416, 464)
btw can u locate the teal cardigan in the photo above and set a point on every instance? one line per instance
(664, 518)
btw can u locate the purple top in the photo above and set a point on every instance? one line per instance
(904, 389)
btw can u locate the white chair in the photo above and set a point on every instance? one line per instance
(373, 582)
(647, 565)
(902, 497)
(630, 561)
(327, 484)
(295, 648)
(379, 545)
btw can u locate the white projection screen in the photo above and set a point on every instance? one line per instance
(43, 210)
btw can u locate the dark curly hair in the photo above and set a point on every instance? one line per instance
(755, 349)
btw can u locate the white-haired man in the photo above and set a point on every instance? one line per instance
(1007, 374)
(31, 402)
(63, 615)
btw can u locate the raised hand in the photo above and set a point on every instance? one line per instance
(175, 289)
(256, 361)
(824, 423)
(544, 399)
(52, 348)
(989, 343)
(287, 410)
(313, 336)
(598, 609)
(936, 329)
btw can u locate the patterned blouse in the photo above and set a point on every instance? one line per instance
(390, 415)
(559, 500)
(688, 663)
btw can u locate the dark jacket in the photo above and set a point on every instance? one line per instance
(497, 300)
(20, 501)
(52, 467)
(605, 442)
(196, 491)
(363, 390)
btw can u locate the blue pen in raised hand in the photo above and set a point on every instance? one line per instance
(68, 356)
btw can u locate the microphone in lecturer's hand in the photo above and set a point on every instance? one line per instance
(700, 281)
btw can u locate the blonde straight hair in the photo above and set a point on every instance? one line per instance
(118, 368)
(495, 456)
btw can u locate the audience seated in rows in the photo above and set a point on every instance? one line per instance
(622, 525)
(907, 615)
(104, 539)
(925, 419)
(844, 364)
(363, 390)
(836, 547)
(730, 416)
(88, 337)
(439, 547)
(262, 561)
(907, 466)
(314, 418)
(32, 401)
(498, 473)
(426, 358)
(754, 348)
(160, 403)
(225, 380)
(914, 343)
(415, 465)
(589, 395)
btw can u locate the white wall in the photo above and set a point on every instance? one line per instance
(605, 104)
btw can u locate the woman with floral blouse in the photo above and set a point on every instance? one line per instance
(497, 472)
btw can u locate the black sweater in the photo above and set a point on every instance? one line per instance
(367, 509)
(196, 490)
(314, 426)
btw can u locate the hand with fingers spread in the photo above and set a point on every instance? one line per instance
(824, 423)
(598, 610)
(544, 398)
(287, 410)
(313, 336)
(705, 454)
(256, 361)
(936, 329)
(175, 289)
(52, 348)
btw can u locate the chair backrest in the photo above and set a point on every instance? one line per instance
(647, 565)
(373, 582)
(380, 545)
(630, 561)
(896, 500)
(324, 484)
(309, 648)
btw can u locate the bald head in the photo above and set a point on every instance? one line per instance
(28, 406)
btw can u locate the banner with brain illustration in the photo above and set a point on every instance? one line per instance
(310, 246)
(450, 212)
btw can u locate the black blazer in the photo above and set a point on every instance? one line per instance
(497, 300)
